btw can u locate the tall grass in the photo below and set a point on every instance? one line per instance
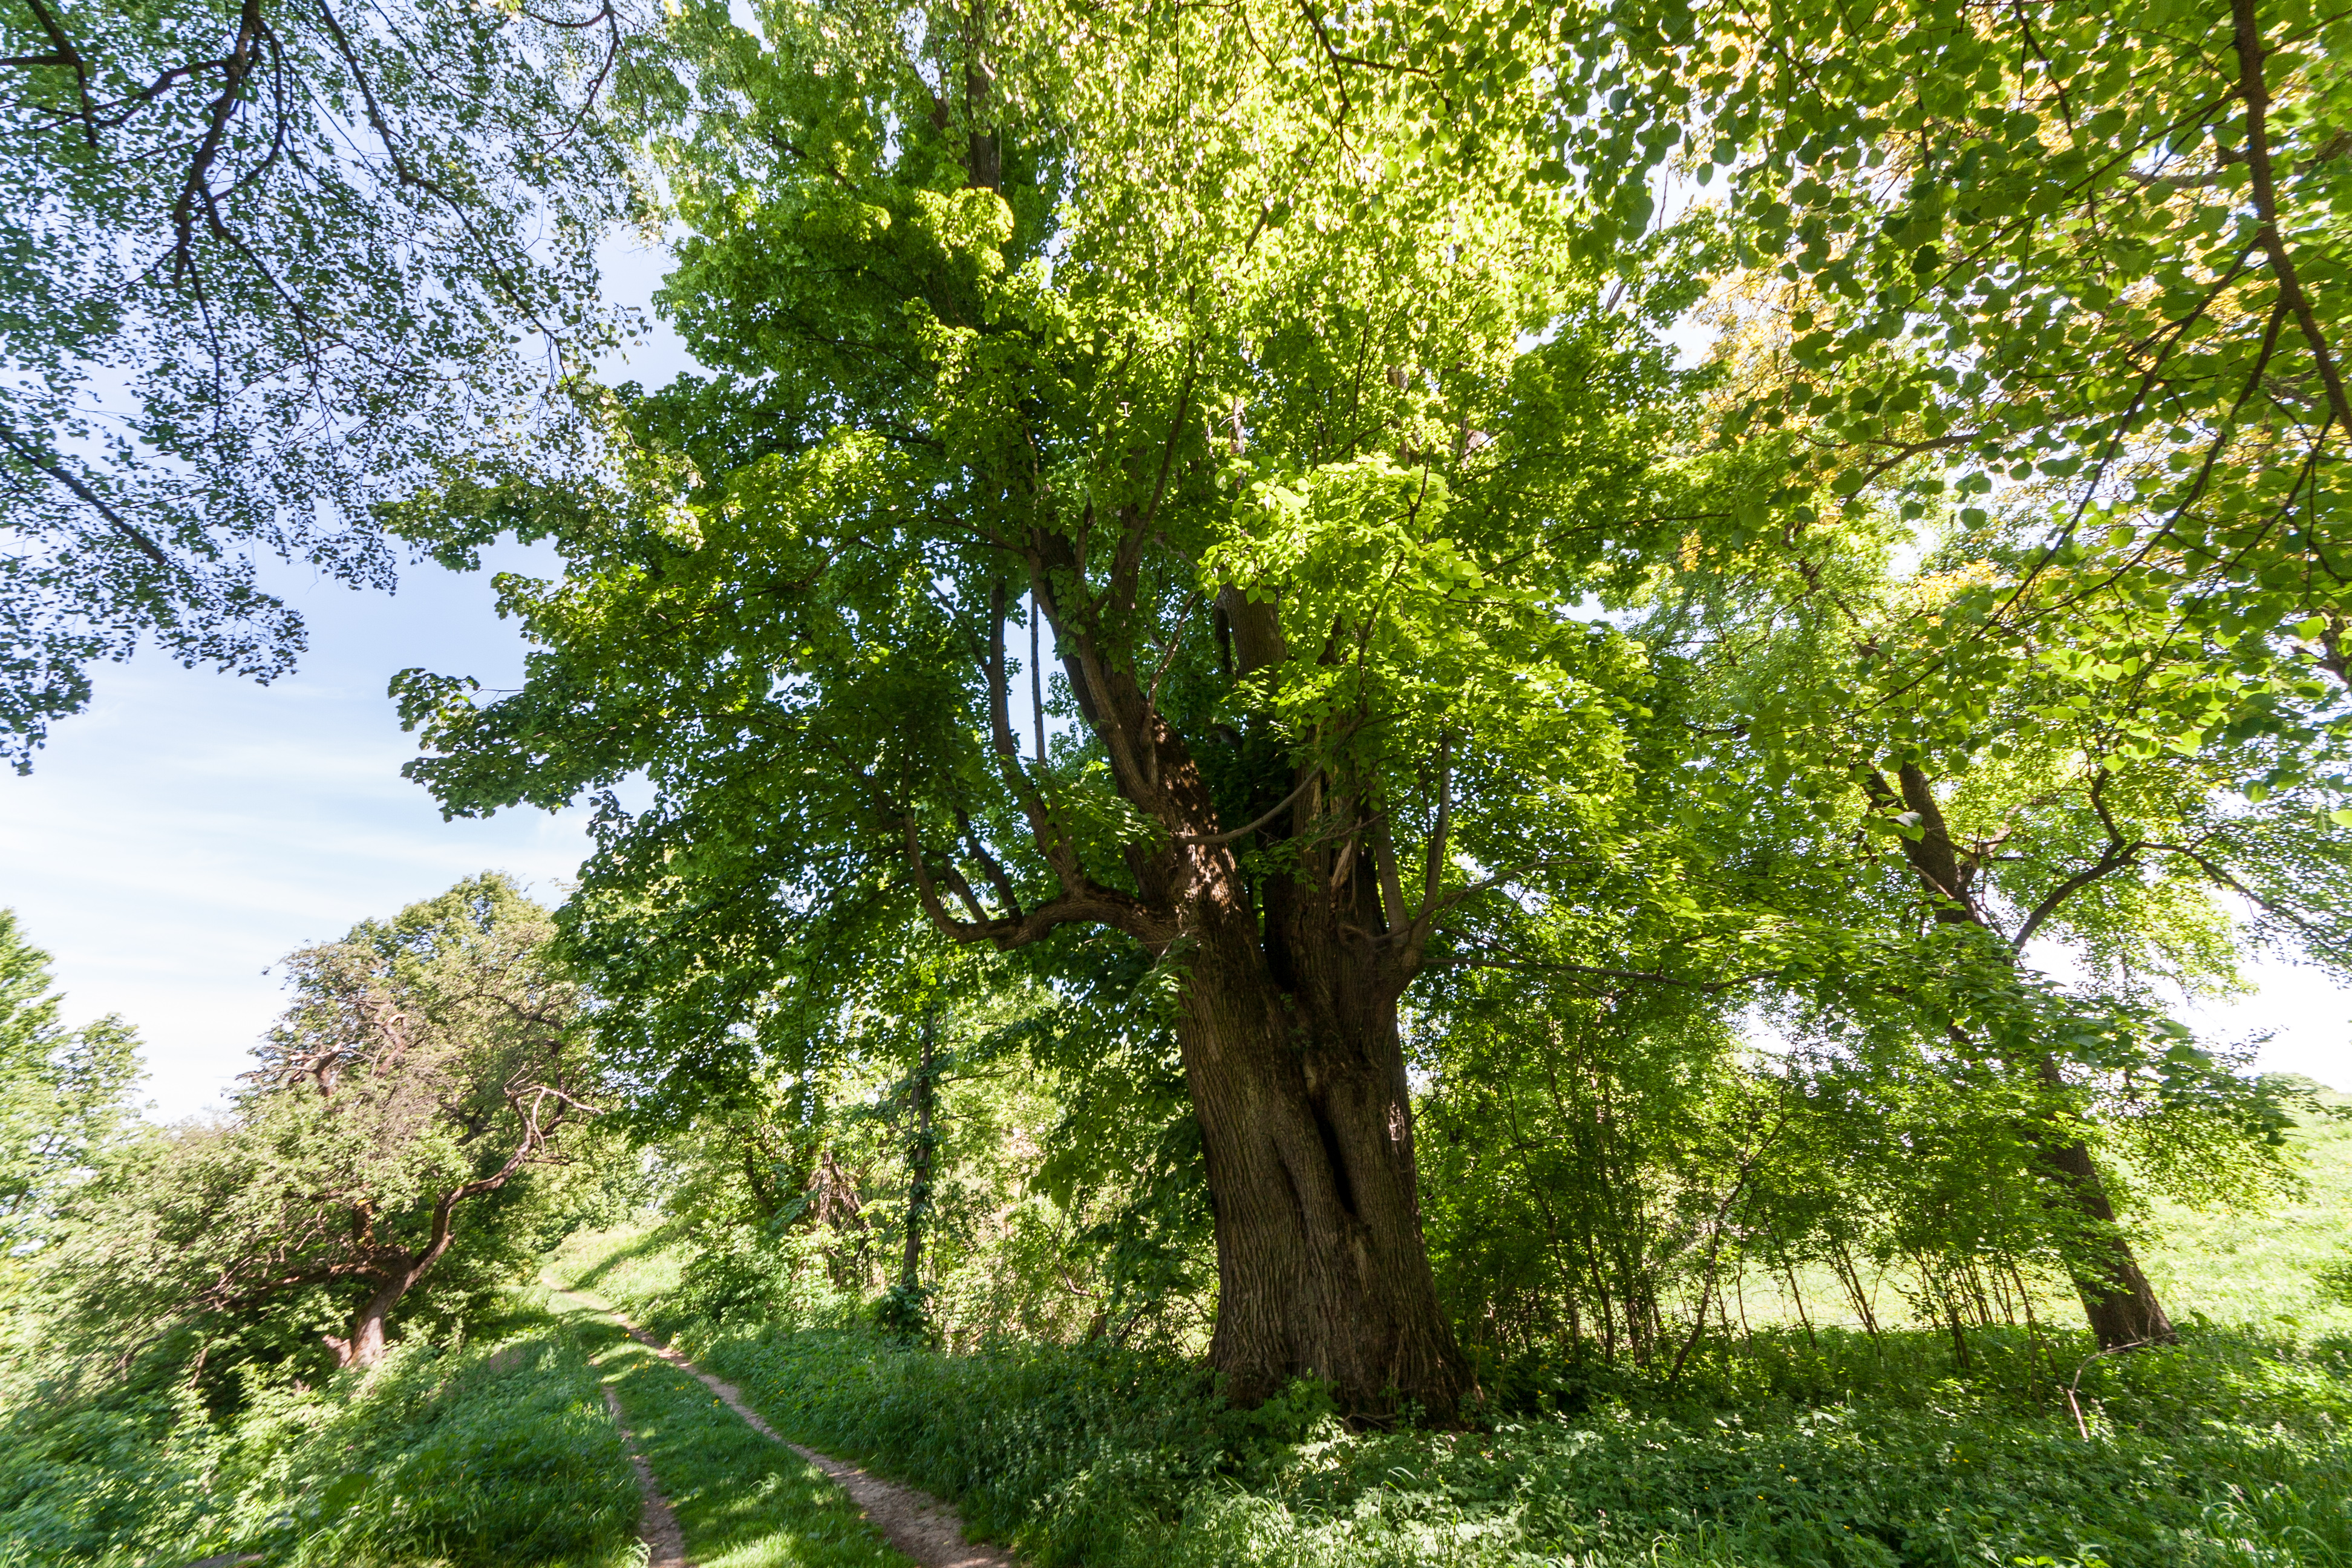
(2271, 1268)
(497, 1455)
(2231, 1450)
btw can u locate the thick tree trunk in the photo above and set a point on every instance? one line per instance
(1306, 1119)
(1287, 1012)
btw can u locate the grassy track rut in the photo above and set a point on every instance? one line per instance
(739, 1499)
(739, 1495)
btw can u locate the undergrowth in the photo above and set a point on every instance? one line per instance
(2228, 1450)
(494, 1454)
(1832, 1448)
(1837, 1449)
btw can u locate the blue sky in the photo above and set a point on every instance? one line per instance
(190, 829)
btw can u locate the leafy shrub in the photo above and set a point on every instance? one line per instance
(90, 1483)
(742, 1276)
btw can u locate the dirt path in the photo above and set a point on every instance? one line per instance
(916, 1522)
(657, 1525)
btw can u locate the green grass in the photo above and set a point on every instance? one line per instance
(2235, 1449)
(2263, 1268)
(504, 1456)
(1785, 1450)
(742, 1500)
(497, 1455)
(2230, 1450)
(631, 1262)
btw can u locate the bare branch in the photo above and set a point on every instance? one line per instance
(2255, 93)
(1280, 807)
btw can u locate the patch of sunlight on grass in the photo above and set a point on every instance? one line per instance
(2261, 1269)
(630, 1263)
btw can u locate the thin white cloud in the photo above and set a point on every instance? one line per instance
(174, 842)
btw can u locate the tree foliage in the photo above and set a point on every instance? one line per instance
(426, 1063)
(1292, 380)
(62, 1092)
(1193, 569)
(264, 265)
(1238, 407)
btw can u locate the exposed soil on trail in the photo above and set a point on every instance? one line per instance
(916, 1522)
(657, 1524)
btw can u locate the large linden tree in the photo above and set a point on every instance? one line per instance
(1145, 348)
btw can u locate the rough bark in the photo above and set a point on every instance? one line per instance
(1306, 1122)
(2117, 1299)
(1287, 1023)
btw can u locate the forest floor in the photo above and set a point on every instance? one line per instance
(1817, 1444)
(510, 1444)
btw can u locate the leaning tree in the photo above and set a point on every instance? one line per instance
(426, 1062)
(1289, 432)
(2044, 854)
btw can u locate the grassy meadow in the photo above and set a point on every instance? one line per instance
(2284, 1269)
(1785, 1445)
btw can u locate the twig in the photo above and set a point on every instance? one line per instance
(2074, 1385)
